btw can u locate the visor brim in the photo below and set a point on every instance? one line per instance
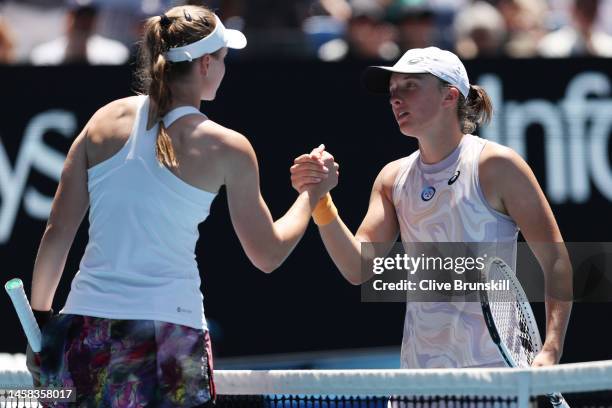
(375, 79)
(235, 39)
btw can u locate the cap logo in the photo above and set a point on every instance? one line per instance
(415, 61)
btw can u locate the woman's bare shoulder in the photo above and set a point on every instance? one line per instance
(228, 141)
(114, 119)
(109, 128)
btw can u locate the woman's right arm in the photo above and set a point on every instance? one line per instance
(67, 211)
(380, 225)
(266, 242)
(71, 199)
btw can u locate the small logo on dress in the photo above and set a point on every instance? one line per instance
(182, 310)
(454, 178)
(428, 193)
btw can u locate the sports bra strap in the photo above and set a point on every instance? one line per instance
(177, 113)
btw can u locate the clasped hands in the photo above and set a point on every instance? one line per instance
(315, 172)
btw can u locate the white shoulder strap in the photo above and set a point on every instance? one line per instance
(177, 113)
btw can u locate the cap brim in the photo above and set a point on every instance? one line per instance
(376, 78)
(235, 39)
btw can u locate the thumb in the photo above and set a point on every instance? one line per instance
(318, 150)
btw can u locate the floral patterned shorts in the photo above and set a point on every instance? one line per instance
(127, 363)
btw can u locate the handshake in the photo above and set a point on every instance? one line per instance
(316, 172)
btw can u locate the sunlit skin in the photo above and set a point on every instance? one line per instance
(207, 75)
(215, 71)
(209, 156)
(426, 110)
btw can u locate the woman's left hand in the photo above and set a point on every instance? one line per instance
(33, 365)
(546, 358)
(310, 168)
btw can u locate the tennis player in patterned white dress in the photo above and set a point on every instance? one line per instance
(456, 187)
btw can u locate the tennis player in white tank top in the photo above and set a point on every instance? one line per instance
(148, 168)
(456, 188)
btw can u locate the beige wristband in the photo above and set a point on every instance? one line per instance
(325, 211)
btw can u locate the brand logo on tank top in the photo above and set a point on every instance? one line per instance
(428, 193)
(182, 310)
(454, 178)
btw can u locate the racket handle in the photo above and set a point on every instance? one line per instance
(14, 288)
(557, 400)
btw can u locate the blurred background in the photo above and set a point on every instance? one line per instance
(53, 32)
(545, 63)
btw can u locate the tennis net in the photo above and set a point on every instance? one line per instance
(584, 385)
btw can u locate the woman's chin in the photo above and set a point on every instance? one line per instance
(209, 96)
(408, 131)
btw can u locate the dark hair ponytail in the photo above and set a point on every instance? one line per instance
(474, 111)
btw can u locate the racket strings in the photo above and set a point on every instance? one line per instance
(507, 309)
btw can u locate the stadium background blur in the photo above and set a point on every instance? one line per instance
(545, 63)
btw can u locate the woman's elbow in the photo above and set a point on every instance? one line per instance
(355, 281)
(353, 276)
(266, 267)
(267, 263)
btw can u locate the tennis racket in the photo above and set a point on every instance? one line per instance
(510, 321)
(14, 288)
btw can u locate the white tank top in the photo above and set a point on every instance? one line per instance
(443, 202)
(140, 260)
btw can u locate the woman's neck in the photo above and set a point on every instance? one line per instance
(183, 95)
(437, 146)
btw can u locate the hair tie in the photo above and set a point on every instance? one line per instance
(187, 15)
(164, 21)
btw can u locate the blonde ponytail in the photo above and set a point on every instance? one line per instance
(163, 148)
(161, 94)
(178, 26)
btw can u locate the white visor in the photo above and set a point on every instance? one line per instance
(219, 38)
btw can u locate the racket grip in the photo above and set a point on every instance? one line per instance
(14, 288)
